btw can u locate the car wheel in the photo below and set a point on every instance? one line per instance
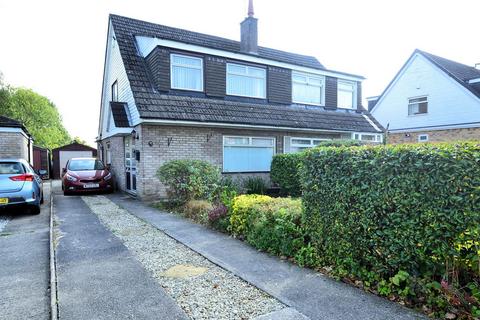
(65, 193)
(42, 200)
(35, 210)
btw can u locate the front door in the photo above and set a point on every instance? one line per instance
(130, 165)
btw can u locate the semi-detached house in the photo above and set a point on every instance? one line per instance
(171, 94)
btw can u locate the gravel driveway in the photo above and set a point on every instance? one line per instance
(201, 288)
(3, 223)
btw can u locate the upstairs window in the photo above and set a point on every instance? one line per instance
(307, 88)
(115, 91)
(417, 106)
(347, 93)
(246, 81)
(186, 72)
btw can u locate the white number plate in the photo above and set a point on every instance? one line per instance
(91, 185)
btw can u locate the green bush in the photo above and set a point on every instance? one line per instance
(197, 210)
(285, 173)
(398, 216)
(285, 168)
(269, 224)
(190, 179)
(255, 185)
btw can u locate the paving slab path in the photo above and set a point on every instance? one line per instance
(98, 278)
(24, 263)
(309, 292)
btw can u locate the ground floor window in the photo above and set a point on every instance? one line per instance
(294, 144)
(367, 137)
(247, 154)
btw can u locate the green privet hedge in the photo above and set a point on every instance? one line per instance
(190, 179)
(404, 218)
(285, 167)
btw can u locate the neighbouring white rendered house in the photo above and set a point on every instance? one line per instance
(430, 99)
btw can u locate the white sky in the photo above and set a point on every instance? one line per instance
(57, 48)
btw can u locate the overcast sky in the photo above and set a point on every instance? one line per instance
(57, 48)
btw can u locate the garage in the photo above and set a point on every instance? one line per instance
(74, 150)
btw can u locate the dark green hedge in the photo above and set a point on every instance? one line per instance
(376, 211)
(285, 167)
(285, 173)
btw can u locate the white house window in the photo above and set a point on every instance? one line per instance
(247, 154)
(293, 144)
(246, 81)
(115, 91)
(417, 106)
(307, 88)
(186, 72)
(422, 137)
(367, 137)
(347, 94)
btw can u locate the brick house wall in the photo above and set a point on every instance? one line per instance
(436, 135)
(193, 143)
(13, 145)
(116, 147)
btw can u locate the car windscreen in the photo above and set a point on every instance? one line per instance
(84, 165)
(11, 168)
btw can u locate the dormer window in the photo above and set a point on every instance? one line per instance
(186, 72)
(246, 81)
(347, 94)
(308, 88)
(115, 91)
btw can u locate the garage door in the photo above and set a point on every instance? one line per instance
(67, 155)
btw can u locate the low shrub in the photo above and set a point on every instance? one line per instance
(269, 224)
(218, 218)
(197, 210)
(341, 143)
(255, 185)
(190, 179)
(404, 219)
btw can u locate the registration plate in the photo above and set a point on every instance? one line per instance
(3, 200)
(91, 185)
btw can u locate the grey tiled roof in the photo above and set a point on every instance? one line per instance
(458, 71)
(182, 108)
(11, 123)
(119, 113)
(152, 104)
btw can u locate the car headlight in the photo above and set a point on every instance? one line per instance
(70, 178)
(107, 177)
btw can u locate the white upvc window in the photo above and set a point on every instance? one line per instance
(186, 72)
(367, 137)
(247, 154)
(294, 144)
(246, 81)
(308, 88)
(417, 106)
(423, 138)
(347, 94)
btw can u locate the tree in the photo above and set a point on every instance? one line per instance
(38, 114)
(79, 140)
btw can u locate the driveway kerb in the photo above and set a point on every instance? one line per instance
(53, 271)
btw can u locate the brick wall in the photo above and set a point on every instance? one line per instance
(436, 135)
(13, 145)
(190, 143)
(117, 151)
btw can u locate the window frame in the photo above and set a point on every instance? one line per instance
(312, 76)
(378, 137)
(309, 146)
(250, 138)
(202, 77)
(114, 91)
(354, 93)
(423, 135)
(243, 75)
(409, 103)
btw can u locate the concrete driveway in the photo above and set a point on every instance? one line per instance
(24, 263)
